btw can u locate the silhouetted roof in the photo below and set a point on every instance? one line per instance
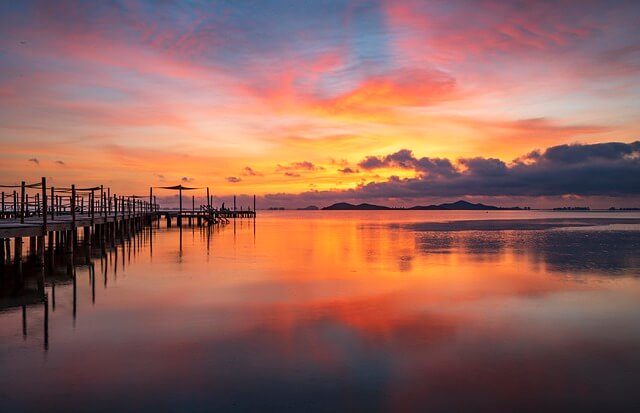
(177, 187)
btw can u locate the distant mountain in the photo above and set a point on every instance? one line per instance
(454, 206)
(308, 208)
(344, 206)
(458, 206)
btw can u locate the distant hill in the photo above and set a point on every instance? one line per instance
(308, 208)
(457, 206)
(454, 206)
(344, 206)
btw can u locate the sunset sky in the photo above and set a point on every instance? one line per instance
(313, 102)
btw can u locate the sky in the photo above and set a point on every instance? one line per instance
(395, 102)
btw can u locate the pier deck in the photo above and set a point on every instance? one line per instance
(52, 216)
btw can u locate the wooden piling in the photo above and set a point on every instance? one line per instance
(53, 204)
(22, 193)
(92, 207)
(180, 215)
(44, 205)
(7, 249)
(17, 251)
(73, 209)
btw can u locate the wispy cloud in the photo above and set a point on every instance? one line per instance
(248, 171)
(299, 166)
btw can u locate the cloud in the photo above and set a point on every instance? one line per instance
(186, 179)
(405, 159)
(299, 166)
(59, 162)
(233, 179)
(248, 171)
(609, 169)
(573, 154)
(398, 88)
(35, 160)
(585, 170)
(292, 174)
(340, 79)
(348, 170)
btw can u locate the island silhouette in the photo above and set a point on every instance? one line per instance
(460, 205)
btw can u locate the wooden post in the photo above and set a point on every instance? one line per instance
(7, 248)
(101, 199)
(22, 189)
(3, 204)
(44, 204)
(73, 209)
(234, 203)
(109, 201)
(53, 204)
(15, 204)
(17, 251)
(180, 216)
(40, 250)
(92, 206)
(208, 200)
(254, 205)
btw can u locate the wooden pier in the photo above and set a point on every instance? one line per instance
(52, 216)
(69, 227)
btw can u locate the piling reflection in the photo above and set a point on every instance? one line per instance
(333, 315)
(29, 285)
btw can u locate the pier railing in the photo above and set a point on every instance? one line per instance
(30, 200)
(33, 209)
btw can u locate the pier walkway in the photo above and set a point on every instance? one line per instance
(54, 215)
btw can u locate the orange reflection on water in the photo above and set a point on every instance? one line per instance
(359, 311)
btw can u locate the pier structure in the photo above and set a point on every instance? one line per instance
(202, 214)
(47, 232)
(57, 218)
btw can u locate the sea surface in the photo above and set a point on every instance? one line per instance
(355, 311)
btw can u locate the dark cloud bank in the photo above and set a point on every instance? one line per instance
(605, 169)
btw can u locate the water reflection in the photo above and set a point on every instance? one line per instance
(562, 251)
(331, 315)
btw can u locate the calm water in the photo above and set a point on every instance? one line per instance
(339, 311)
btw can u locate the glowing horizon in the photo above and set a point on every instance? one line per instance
(290, 100)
